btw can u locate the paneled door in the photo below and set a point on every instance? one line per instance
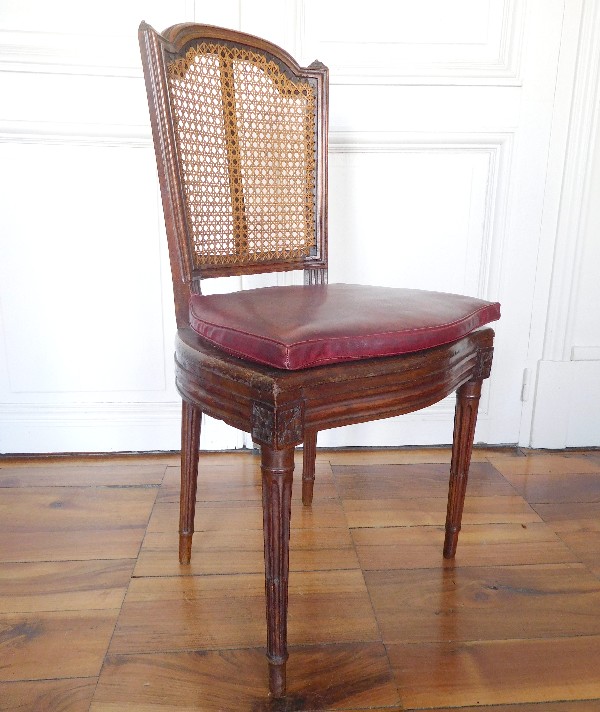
(444, 119)
(441, 119)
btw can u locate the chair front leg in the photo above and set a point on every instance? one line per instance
(465, 418)
(191, 417)
(308, 466)
(277, 470)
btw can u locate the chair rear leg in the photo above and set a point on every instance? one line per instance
(465, 418)
(277, 471)
(308, 466)
(191, 417)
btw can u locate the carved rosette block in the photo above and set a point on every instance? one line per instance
(483, 367)
(278, 427)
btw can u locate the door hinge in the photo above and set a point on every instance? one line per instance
(525, 386)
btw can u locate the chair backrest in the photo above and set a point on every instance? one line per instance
(240, 134)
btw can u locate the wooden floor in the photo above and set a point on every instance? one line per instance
(96, 614)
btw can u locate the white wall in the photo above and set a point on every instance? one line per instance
(461, 149)
(565, 409)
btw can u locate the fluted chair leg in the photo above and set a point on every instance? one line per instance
(465, 418)
(277, 471)
(191, 417)
(308, 466)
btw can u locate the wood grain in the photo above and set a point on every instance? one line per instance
(241, 551)
(389, 548)
(54, 644)
(432, 511)
(212, 612)
(331, 677)
(241, 481)
(520, 603)
(220, 515)
(497, 672)
(67, 695)
(78, 475)
(481, 603)
(422, 480)
(64, 585)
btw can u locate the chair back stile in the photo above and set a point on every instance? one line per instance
(241, 137)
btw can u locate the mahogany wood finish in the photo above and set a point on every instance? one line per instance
(285, 408)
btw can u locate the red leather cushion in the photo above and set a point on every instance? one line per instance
(302, 326)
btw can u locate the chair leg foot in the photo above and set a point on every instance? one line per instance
(185, 548)
(277, 679)
(308, 467)
(465, 418)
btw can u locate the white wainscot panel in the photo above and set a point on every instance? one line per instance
(424, 216)
(406, 214)
(80, 277)
(74, 37)
(430, 41)
(567, 406)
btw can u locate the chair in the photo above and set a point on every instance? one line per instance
(240, 134)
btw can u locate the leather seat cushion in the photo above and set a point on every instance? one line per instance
(299, 327)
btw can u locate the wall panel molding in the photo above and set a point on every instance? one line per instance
(75, 134)
(497, 146)
(429, 53)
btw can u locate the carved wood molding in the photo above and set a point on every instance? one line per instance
(278, 427)
(483, 366)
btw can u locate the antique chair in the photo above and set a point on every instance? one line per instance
(240, 133)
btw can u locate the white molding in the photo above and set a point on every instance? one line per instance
(503, 70)
(103, 427)
(53, 53)
(585, 353)
(497, 145)
(575, 195)
(75, 134)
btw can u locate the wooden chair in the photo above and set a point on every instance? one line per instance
(240, 133)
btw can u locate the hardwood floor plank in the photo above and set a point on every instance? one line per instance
(570, 516)
(71, 545)
(66, 586)
(233, 482)
(389, 548)
(52, 524)
(67, 695)
(330, 677)
(211, 612)
(44, 645)
(538, 463)
(432, 511)
(424, 605)
(513, 622)
(492, 672)
(229, 552)
(57, 509)
(77, 475)
(571, 706)
(558, 488)
(356, 482)
(211, 516)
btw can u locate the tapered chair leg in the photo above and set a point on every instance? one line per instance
(277, 471)
(465, 418)
(191, 417)
(308, 466)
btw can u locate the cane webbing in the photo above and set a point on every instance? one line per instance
(245, 133)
